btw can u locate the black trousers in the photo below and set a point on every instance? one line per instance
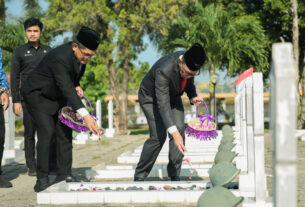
(154, 143)
(29, 141)
(48, 126)
(2, 135)
(29, 138)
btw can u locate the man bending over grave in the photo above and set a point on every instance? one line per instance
(53, 84)
(160, 98)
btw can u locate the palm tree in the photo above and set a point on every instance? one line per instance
(231, 42)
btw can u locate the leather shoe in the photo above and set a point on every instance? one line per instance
(70, 179)
(41, 184)
(4, 183)
(138, 179)
(67, 178)
(32, 172)
(175, 178)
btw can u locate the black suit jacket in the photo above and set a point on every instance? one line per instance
(25, 59)
(162, 86)
(54, 81)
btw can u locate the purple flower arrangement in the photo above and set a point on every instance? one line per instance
(71, 119)
(203, 127)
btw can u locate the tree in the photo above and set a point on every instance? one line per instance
(295, 29)
(33, 9)
(2, 10)
(12, 33)
(133, 19)
(9, 36)
(119, 43)
(281, 20)
(285, 19)
(122, 25)
(136, 77)
(295, 42)
(230, 42)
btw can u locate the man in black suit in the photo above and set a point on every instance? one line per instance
(53, 84)
(160, 98)
(25, 58)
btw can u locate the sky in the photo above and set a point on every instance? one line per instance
(150, 55)
(15, 9)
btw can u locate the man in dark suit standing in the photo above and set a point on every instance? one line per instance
(24, 60)
(160, 98)
(52, 85)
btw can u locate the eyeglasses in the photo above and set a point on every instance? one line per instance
(86, 55)
(187, 73)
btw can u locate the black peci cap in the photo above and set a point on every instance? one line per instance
(88, 37)
(195, 57)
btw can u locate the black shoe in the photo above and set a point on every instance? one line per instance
(67, 178)
(136, 179)
(41, 184)
(4, 183)
(32, 172)
(70, 179)
(175, 178)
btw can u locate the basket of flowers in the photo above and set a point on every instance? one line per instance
(202, 127)
(73, 120)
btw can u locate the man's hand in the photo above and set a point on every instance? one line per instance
(5, 101)
(17, 108)
(79, 91)
(178, 140)
(91, 124)
(197, 101)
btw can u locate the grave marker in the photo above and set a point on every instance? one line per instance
(9, 144)
(283, 124)
(110, 130)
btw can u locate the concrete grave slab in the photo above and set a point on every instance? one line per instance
(81, 193)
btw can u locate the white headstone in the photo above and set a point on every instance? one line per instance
(110, 130)
(249, 137)
(9, 145)
(99, 113)
(246, 179)
(237, 115)
(81, 138)
(243, 127)
(137, 109)
(283, 124)
(258, 129)
(141, 120)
